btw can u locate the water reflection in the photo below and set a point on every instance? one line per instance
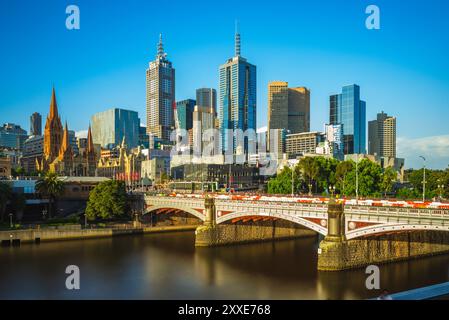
(168, 266)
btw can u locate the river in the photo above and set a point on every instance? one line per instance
(168, 266)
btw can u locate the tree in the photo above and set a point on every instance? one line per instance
(342, 171)
(52, 187)
(389, 176)
(107, 200)
(282, 183)
(310, 170)
(5, 196)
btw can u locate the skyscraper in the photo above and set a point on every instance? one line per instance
(110, 126)
(348, 110)
(207, 98)
(36, 124)
(382, 136)
(184, 114)
(160, 88)
(288, 108)
(237, 97)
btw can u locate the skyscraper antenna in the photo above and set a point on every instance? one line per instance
(160, 47)
(237, 39)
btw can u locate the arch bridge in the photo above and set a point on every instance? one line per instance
(356, 221)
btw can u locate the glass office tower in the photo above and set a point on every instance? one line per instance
(348, 110)
(207, 98)
(184, 114)
(111, 126)
(237, 97)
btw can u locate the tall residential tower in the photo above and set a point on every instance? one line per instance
(382, 136)
(160, 95)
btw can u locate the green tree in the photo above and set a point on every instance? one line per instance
(52, 187)
(369, 177)
(310, 171)
(5, 196)
(389, 177)
(341, 174)
(282, 183)
(107, 200)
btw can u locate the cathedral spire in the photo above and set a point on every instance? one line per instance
(90, 143)
(53, 105)
(65, 139)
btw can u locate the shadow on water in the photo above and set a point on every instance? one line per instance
(168, 266)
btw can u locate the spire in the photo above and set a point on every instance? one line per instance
(90, 143)
(53, 105)
(65, 139)
(237, 39)
(160, 48)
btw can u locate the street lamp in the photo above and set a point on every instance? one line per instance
(293, 182)
(10, 220)
(424, 181)
(332, 190)
(441, 188)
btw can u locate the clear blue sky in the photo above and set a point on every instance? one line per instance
(402, 69)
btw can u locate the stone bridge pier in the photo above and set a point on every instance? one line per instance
(336, 253)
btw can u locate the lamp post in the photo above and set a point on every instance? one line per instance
(424, 180)
(440, 189)
(10, 220)
(332, 190)
(293, 182)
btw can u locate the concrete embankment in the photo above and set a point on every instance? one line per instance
(76, 233)
(235, 233)
(356, 253)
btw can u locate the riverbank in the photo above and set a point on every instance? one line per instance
(17, 237)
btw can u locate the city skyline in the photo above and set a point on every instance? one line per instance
(421, 70)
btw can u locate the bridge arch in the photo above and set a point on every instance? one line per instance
(191, 211)
(380, 229)
(291, 218)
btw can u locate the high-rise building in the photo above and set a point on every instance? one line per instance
(36, 124)
(348, 110)
(73, 140)
(237, 97)
(184, 114)
(110, 126)
(160, 89)
(288, 108)
(382, 136)
(298, 110)
(203, 120)
(207, 98)
(12, 136)
(144, 138)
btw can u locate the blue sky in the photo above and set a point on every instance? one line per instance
(403, 68)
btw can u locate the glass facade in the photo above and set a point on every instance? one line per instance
(237, 98)
(184, 112)
(207, 97)
(109, 128)
(348, 110)
(12, 136)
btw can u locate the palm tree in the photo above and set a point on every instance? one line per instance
(50, 186)
(5, 196)
(310, 170)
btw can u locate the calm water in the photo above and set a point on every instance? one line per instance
(168, 266)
